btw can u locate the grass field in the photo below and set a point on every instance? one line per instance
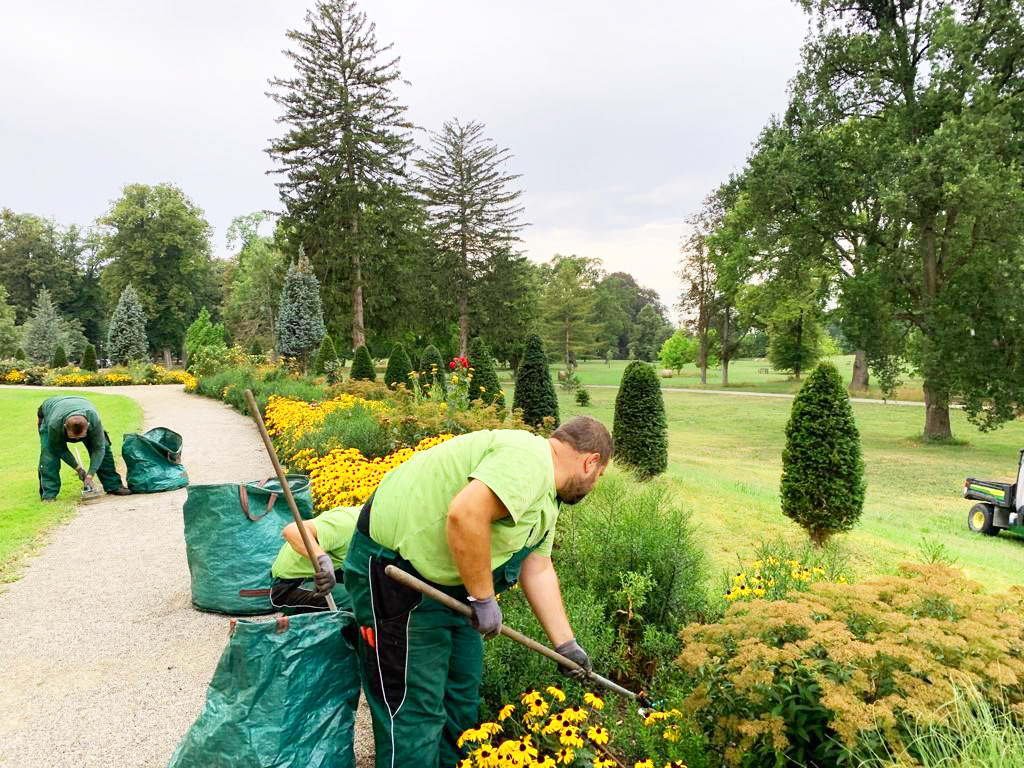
(24, 519)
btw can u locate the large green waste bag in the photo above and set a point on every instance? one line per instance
(284, 696)
(153, 460)
(232, 535)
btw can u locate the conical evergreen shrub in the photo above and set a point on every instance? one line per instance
(640, 429)
(19, 354)
(484, 385)
(535, 392)
(300, 320)
(432, 369)
(89, 358)
(362, 366)
(255, 348)
(126, 337)
(326, 354)
(399, 368)
(822, 469)
(60, 357)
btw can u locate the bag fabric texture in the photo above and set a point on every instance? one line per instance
(153, 461)
(284, 695)
(232, 535)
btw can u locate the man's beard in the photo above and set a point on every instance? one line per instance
(574, 494)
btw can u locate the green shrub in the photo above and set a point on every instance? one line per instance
(19, 354)
(640, 429)
(204, 333)
(362, 366)
(60, 358)
(255, 348)
(325, 355)
(399, 368)
(831, 673)
(822, 470)
(582, 397)
(89, 358)
(350, 428)
(484, 386)
(535, 393)
(431, 370)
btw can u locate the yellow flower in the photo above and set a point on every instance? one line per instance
(597, 734)
(490, 728)
(570, 737)
(455, 378)
(472, 734)
(644, 764)
(671, 733)
(486, 756)
(555, 693)
(565, 755)
(593, 701)
(574, 714)
(654, 717)
(506, 711)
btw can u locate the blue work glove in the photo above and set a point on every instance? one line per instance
(324, 579)
(486, 615)
(572, 651)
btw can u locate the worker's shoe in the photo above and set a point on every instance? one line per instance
(122, 491)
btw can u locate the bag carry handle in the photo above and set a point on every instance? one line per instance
(243, 496)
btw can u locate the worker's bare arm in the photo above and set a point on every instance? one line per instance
(543, 592)
(294, 537)
(468, 528)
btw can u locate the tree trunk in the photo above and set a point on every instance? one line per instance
(702, 358)
(358, 329)
(860, 370)
(936, 417)
(568, 347)
(167, 357)
(725, 348)
(464, 323)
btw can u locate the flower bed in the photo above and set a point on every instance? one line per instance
(76, 377)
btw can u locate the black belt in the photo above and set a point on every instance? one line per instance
(363, 522)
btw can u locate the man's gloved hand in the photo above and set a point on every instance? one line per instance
(324, 579)
(486, 615)
(572, 650)
(81, 473)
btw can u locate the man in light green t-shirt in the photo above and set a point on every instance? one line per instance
(472, 516)
(329, 535)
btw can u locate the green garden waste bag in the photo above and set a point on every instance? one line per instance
(284, 696)
(153, 460)
(232, 535)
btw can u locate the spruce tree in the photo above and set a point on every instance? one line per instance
(89, 358)
(535, 392)
(640, 429)
(484, 385)
(19, 354)
(432, 369)
(126, 337)
(325, 356)
(300, 322)
(362, 366)
(42, 329)
(822, 470)
(60, 357)
(399, 368)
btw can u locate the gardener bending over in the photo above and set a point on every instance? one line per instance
(471, 516)
(329, 534)
(71, 419)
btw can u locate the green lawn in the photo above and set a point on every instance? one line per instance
(744, 375)
(725, 463)
(24, 519)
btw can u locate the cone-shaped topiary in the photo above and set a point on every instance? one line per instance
(399, 368)
(432, 369)
(362, 366)
(60, 357)
(535, 392)
(255, 348)
(19, 354)
(822, 470)
(89, 358)
(325, 355)
(640, 429)
(484, 385)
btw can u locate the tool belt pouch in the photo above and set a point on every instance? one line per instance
(232, 535)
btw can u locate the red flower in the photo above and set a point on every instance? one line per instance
(452, 365)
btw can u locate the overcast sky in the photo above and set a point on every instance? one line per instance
(620, 116)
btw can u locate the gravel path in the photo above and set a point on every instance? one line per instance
(103, 661)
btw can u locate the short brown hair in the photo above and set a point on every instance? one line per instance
(587, 435)
(76, 425)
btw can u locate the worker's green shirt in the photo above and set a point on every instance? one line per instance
(333, 532)
(410, 507)
(56, 411)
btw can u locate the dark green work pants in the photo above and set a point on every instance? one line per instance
(49, 468)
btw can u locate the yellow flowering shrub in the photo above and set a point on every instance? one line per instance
(841, 667)
(288, 419)
(15, 377)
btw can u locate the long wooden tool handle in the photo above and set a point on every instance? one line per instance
(402, 577)
(285, 488)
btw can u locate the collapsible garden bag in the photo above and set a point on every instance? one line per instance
(153, 460)
(284, 695)
(232, 535)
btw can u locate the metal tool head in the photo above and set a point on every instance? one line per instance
(89, 493)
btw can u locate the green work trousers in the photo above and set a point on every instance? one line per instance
(420, 663)
(49, 467)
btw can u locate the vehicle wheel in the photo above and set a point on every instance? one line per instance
(979, 520)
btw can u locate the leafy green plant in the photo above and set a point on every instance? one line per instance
(934, 552)
(350, 428)
(640, 429)
(89, 358)
(484, 386)
(399, 370)
(326, 356)
(362, 366)
(582, 397)
(60, 357)
(432, 373)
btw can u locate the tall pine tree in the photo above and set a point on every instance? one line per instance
(42, 329)
(345, 148)
(126, 336)
(300, 324)
(473, 208)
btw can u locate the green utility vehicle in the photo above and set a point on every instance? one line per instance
(1000, 506)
